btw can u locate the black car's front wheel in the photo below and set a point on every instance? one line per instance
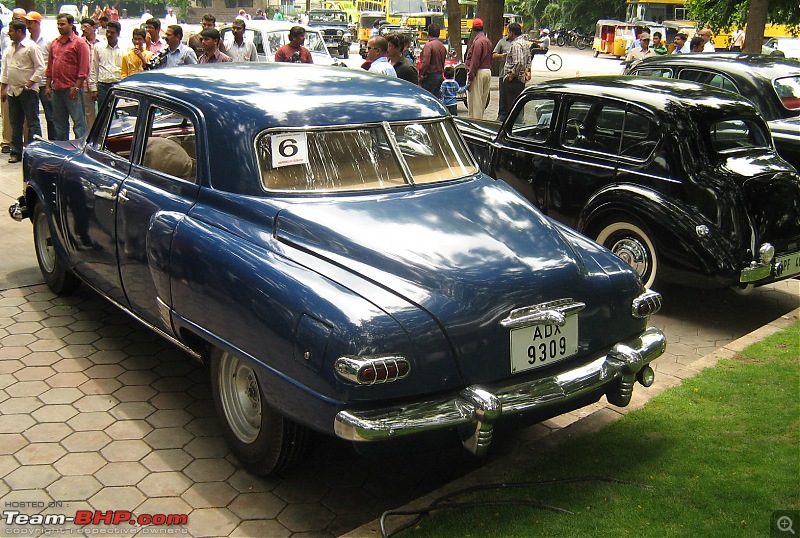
(58, 278)
(261, 438)
(632, 242)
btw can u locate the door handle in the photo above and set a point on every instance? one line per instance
(123, 195)
(108, 193)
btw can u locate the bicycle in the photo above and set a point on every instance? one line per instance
(552, 61)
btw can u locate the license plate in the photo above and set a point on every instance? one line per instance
(790, 262)
(540, 345)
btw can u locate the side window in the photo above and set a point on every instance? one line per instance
(171, 146)
(737, 134)
(534, 122)
(594, 127)
(659, 72)
(575, 125)
(711, 79)
(122, 128)
(640, 137)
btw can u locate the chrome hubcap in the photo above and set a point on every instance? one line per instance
(241, 398)
(633, 253)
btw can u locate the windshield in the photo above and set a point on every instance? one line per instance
(274, 39)
(788, 89)
(327, 16)
(363, 157)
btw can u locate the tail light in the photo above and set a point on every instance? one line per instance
(646, 304)
(373, 369)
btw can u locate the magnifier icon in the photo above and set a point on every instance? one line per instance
(785, 524)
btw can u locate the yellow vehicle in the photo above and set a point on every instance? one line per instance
(605, 36)
(419, 22)
(349, 8)
(469, 10)
(508, 18)
(366, 20)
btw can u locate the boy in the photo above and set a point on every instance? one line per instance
(450, 89)
(136, 58)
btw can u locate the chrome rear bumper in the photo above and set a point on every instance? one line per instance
(477, 407)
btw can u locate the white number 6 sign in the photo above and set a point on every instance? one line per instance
(289, 149)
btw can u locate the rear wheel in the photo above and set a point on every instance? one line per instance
(633, 243)
(261, 438)
(58, 278)
(596, 53)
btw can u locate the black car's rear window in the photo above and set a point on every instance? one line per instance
(788, 89)
(733, 134)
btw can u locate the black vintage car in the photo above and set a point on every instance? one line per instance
(679, 179)
(771, 83)
(335, 27)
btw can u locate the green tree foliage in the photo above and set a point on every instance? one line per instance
(581, 14)
(726, 13)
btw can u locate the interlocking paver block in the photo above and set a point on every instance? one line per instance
(209, 470)
(88, 441)
(212, 522)
(260, 529)
(95, 402)
(67, 379)
(169, 418)
(117, 498)
(54, 413)
(301, 490)
(100, 386)
(74, 488)
(305, 517)
(61, 395)
(80, 463)
(129, 429)
(15, 423)
(137, 377)
(9, 366)
(40, 453)
(171, 400)
(78, 364)
(165, 484)
(75, 351)
(132, 410)
(168, 438)
(28, 327)
(12, 352)
(263, 505)
(11, 442)
(209, 495)
(123, 473)
(31, 477)
(20, 405)
(245, 482)
(26, 388)
(167, 460)
(139, 393)
(98, 420)
(107, 356)
(47, 432)
(208, 447)
(125, 450)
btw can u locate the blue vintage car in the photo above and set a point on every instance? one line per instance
(323, 238)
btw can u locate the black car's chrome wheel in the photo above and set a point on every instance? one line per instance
(264, 440)
(631, 242)
(58, 279)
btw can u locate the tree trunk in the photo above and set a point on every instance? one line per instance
(491, 11)
(27, 5)
(756, 20)
(454, 27)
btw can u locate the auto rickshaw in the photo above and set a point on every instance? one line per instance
(365, 22)
(508, 18)
(604, 36)
(624, 34)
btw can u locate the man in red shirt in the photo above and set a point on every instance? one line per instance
(479, 74)
(431, 69)
(67, 70)
(294, 51)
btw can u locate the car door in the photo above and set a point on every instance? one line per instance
(524, 152)
(590, 134)
(161, 188)
(89, 191)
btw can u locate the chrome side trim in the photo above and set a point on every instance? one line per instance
(477, 407)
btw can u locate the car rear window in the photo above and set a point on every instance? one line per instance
(362, 157)
(788, 89)
(736, 134)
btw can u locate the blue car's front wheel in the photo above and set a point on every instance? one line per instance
(263, 439)
(58, 278)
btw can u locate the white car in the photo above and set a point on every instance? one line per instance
(269, 36)
(789, 46)
(72, 9)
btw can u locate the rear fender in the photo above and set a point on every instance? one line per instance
(672, 223)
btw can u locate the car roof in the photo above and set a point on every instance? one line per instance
(653, 93)
(267, 25)
(288, 95)
(749, 65)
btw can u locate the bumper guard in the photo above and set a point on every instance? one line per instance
(477, 407)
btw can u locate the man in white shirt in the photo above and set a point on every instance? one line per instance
(378, 56)
(240, 50)
(705, 35)
(171, 18)
(106, 67)
(22, 71)
(642, 51)
(33, 20)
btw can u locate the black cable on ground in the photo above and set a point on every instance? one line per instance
(437, 504)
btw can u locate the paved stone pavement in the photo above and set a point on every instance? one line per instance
(97, 413)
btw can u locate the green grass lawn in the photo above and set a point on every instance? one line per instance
(722, 452)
